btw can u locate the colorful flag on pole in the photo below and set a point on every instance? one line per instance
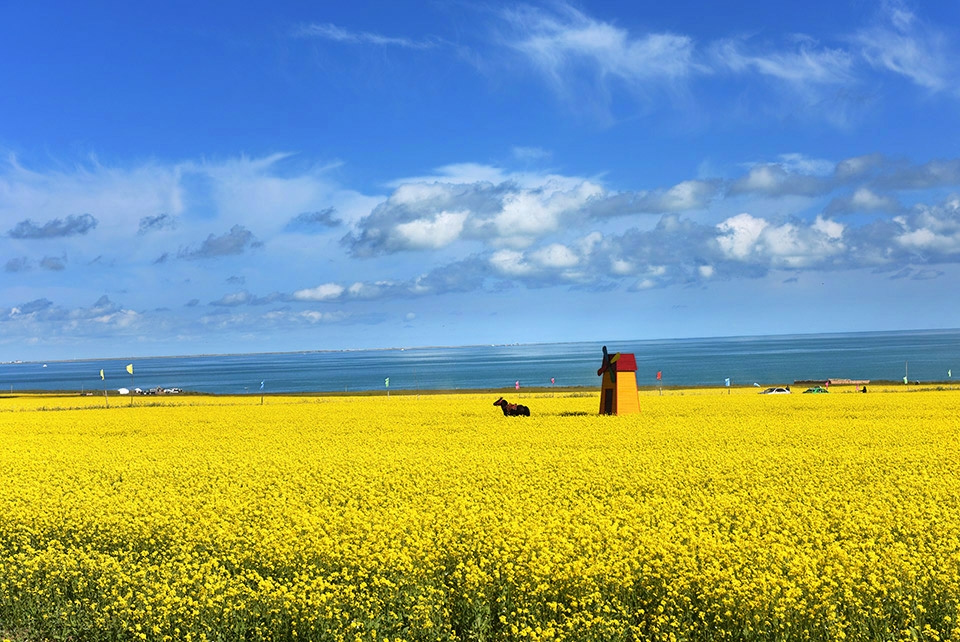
(101, 374)
(756, 384)
(130, 368)
(726, 381)
(950, 373)
(386, 382)
(261, 385)
(553, 380)
(659, 372)
(518, 385)
(904, 378)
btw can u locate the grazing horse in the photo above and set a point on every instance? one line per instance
(512, 409)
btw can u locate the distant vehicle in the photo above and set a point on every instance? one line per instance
(138, 391)
(815, 390)
(776, 391)
(172, 391)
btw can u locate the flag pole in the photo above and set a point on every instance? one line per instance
(106, 402)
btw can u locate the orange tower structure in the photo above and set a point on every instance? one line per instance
(618, 389)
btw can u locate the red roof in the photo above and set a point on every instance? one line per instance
(626, 362)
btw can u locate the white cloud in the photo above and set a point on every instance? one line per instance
(568, 37)
(739, 235)
(329, 31)
(443, 229)
(831, 229)
(808, 64)
(511, 263)
(315, 316)
(324, 292)
(902, 43)
(555, 255)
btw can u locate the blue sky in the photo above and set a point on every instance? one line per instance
(196, 178)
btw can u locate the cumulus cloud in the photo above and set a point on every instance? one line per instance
(237, 241)
(312, 222)
(681, 251)
(514, 212)
(56, 228)
(864, 199)
(775, 180)
(935, 173)
(684, 196)
(55, 320)
(872, 174)
(233, 299)
(157, 222)
(324, 292)
(858, 166)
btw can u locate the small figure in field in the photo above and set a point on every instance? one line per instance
(864, 389)
(512, 409)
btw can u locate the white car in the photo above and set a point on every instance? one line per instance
(776, 391)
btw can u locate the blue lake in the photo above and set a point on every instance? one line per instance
(766, 360)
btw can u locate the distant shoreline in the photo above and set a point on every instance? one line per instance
(505, 392)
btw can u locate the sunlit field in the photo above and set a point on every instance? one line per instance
(709, 516)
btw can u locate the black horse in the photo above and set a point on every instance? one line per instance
(512, 409)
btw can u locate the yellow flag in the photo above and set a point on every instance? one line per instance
(130, 368)
(101, 374)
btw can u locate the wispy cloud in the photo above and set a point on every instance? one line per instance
(329, 31)
(807, 63)
(586, 59)
(902, 43)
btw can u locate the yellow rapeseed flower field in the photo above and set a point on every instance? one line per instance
(707, 517)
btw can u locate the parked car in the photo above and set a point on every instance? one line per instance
(776, 391)
(816, 390)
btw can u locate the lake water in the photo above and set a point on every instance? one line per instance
(767, 360)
